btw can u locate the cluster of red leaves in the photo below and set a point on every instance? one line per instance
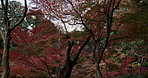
(36, 50)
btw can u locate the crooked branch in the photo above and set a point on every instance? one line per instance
(21, 20)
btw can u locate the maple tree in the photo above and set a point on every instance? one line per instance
(36, 48)
(129, 35)
(132, 38)
(66, 71)
(99, 29)
(49, 9)
(111, 42)
(135, 41)
(71, 41)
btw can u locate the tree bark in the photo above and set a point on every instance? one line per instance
(5, 58)
(66, 71)
(98, 71)
(6, 35)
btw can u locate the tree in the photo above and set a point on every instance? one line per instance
(47, 44)
(42, 49)
(58, 12)
(105, 12)
(106, 9)
(32, 45)
(5, 30)
(37, 46)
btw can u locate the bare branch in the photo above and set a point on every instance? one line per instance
(64, 25)
(74, 24)
(81, 18)
(58, 17)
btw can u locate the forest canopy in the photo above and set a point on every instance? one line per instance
(74, 38)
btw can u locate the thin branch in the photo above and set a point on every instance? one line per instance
(113, 5)
(64, 25)
(70, 45)
(109, 25)
(5, 15)
(74, 23)
(108, 8)
(32, 65)
(81, 18)
(13, 13)
(3, 6)
(57, 17)
(117, 5)
(94, 51)
(21, 20)
(48, 69)
(118, 69)
(6, 5)
(81, 48)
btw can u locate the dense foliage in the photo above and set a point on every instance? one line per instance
(110, 42)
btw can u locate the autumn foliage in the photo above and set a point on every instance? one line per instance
(43, 48)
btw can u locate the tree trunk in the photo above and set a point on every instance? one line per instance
(5, 33)
(98, 71)
(66, 71)
(5, 58)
